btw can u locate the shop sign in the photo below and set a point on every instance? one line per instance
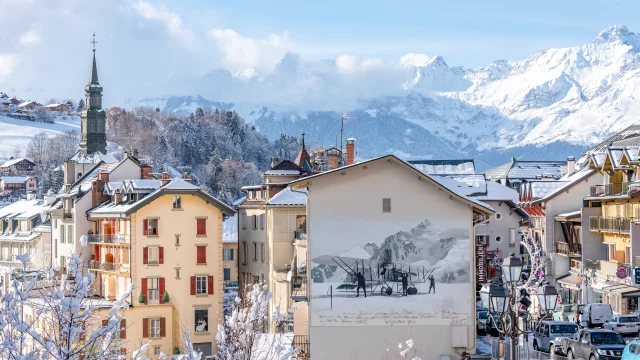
(636, 276)
(481, 262)
(622, 273)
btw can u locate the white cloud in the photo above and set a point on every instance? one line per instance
(172, 21)
(350, 63)
(7, 63)
(31, 37)
(241, 53)
(413, 59)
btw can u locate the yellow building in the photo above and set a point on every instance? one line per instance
(230, 251)
(165, 237)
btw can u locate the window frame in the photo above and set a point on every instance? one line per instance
(152, 334)
(201, 225)
(204, 249)
(149, 227)
(153, 250)
(255, 251)
(512, 237)
(245, 252)
(198, 278)
(195, 320)
(152, 290)
(255, 222)
(262, 252)
(386, 205)
(227, 254)
(177, 202)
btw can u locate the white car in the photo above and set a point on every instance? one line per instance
(623, 324)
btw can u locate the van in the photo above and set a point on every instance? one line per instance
(548, 335)
(595, 315)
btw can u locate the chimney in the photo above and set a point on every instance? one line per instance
(97, 189)
(118, 197)
(351, 149)
(274, 161)
(186, 177)
(571, 165)
(145, 172)
(135, 154)
(69, 171)
(165, 179)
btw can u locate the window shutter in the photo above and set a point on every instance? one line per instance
(83, 335)
(201, 226)
(161, 288)
(161, 255)
(105, 323)
(123, 329)
(62, 233)
(210, 285)
(201, 254)
(193, 285)
(262, 222)
(163, 325)
(145, 255)
(123, 352)
(144, 288)
(145, 328)
(145, 227)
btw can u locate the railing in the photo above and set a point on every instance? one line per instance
(593, 264)
(618, 225)
(568, 249)
(108, 266)
(617, 189)
(109, 238)
(299, 235)
(500, 350)
(301, 343)
(63, 213)
(611, 268)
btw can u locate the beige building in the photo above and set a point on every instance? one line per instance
(230, 251)
(370, 225)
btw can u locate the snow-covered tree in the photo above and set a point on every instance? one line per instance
(80, 105)
(242, 337)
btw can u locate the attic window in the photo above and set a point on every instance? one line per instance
(177, 202)
(386, 205)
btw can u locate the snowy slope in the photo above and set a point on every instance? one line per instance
(16, 134)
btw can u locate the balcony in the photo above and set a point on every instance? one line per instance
(576, 264)
(301, 343)
(568, 249)
(109, 266)
(299, 288)
(109, 238)
(611, 269)
(619, 189)
(299, 235)
(616, 225)
(62, 213)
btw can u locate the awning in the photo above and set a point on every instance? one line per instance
(623, 290)
(570, 281)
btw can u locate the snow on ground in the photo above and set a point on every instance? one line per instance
(16, 134)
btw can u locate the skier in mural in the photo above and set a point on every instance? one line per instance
(432, 284)
(405, 284)
(361, 284)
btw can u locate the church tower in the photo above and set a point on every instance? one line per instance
(93, 123)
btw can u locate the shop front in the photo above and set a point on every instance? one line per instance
(569, 291)
(622, 298)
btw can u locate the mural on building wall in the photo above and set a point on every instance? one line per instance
(418, 276)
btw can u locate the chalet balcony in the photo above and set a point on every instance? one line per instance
(616, 225)
(618, 189)
(62, 213)
(568, 249)
(301, 343)
(109, 238)
(576, 264)
(109, 266)
(299, 288)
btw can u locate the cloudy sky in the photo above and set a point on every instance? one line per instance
(150, 47)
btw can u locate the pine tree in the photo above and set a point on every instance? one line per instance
(80, 105)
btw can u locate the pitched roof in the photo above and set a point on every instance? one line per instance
(463, 166)
(287, 165)
(14, 161)
(15, 179)
(81, 157)
(521, 169)
(287, 197)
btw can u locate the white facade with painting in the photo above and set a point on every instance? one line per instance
(385, 225)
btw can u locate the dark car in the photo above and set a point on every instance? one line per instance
(596, 344)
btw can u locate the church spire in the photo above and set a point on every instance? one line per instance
(94, 69)
(303, 146)
(93, 123)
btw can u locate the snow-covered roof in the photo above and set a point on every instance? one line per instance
(569, 214)
(438, 167)
(239, 201)
(282, 172)
(519, 169)
(9, 163)
(540, 189)
(15, 179)
(180, 184)
(83, 158)
(54, 105)
(473, 184)
(286, 197)
(497, 191)
(230, 229)
(19, 207)
(545, 190)
(25, 104)
(44, 227)
(145, 184)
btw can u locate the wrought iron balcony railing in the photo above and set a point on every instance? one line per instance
(568, 249)
(618, 225)
(618, 189)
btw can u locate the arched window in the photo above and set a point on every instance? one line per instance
(79, 176)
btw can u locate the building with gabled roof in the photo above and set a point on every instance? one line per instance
(19, 166)
(516, 172)
(438, 167)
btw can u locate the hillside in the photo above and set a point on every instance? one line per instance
(16, 134)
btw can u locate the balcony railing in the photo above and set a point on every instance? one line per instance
(617, 189)
(109, 238)
(568, 249)
(299, 235)
(611, 268)
(301, 343)
(109, 266)
(299, 287)
(618, 225)
(63, 213)
(593, 264)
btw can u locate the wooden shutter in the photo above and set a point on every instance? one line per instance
(161, 255)
(145, 227)
(83, 335)
(123, 351)
(123, 329)
(201, 226)
(145, 328)
(144, 288)
(201, 254)
(161, 289)
(145, 255)
(163, 325)
(210, 285)
(193, 285)
(105, 323)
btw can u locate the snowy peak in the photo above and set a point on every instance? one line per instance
(613, 33)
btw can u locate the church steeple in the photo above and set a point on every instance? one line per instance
(93, 138)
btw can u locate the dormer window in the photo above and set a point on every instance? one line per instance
(177, 202)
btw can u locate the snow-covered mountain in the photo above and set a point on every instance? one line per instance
(16, 134)
(560, 100)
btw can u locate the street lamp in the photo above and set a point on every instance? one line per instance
(500, 299)
(512, 268)
(547, 297)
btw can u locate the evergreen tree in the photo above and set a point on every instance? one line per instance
(80, 105)
(199, 113)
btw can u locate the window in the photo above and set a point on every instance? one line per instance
(154, 327)
(244, 251)
(156, 350)
(244, 220)
(201, 254)
(201, 227)
(152, 290)
(202, 320)
(63, 234)
(262, 222)
(386, 205)
(23, 226)
(255, 221)
(177, 240)
(498, 239)
(153, 255)
(512, 237)
(201, 285)
(150, 227)
(262, 252)
(177, 274)
(63, 261)
(227, 274)
(177, 202)
(498, 216)
(255, 251)
(227, 254)
(482, 240)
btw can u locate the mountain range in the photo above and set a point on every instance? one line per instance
(552, 104)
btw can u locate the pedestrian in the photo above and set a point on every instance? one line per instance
(361, 284)
(405, 284)
(432, 284)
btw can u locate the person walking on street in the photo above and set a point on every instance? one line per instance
(405, 284)
(361, 284)
(432, 284)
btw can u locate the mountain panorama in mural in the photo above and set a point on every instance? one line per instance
(420, 276)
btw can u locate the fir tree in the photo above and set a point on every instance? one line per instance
(80, 105)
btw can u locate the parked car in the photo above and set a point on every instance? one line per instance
(481, 322)
(594, 344)
(623, 324)
(561, 313)
(493, 324)
(631, 351)
(595, 315)
(548, 334)
(574, 313)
